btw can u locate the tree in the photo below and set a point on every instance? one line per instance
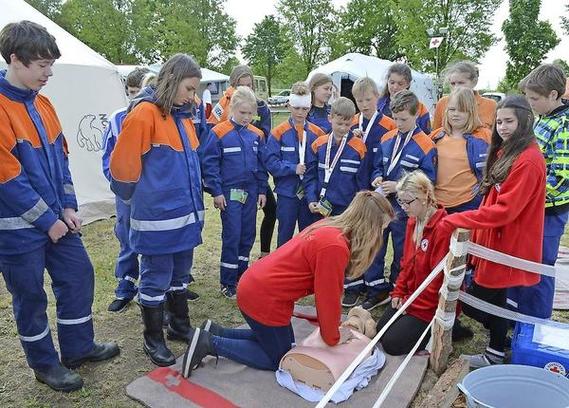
(563, 65)
(85, 19)
(49, 8)
(367, 27)
(265, 47)
(565, 21)
(310, 27)
(290, 70)
(528, 39)
(468, 22)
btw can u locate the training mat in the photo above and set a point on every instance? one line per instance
(230, 384)
(561, 299)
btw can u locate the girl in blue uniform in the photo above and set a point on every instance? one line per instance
(321, 88)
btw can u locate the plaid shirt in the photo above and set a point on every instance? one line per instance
(552, 132)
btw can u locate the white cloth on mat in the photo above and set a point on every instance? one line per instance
(359, 379)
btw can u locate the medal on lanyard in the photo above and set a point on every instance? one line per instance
(368, 127)
(329, 167)
(395, 154)
(302, 149)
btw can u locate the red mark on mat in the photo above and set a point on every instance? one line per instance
(199, 395)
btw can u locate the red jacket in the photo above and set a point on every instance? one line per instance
(312, 263)
(418, 262)
(510, 220)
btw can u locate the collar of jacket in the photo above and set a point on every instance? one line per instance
(15, 93)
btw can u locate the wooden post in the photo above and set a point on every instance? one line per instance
(455, 267)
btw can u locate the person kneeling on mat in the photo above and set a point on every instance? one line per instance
(425, 246)
(315, 262)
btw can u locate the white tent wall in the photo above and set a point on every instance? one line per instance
(85, 89)
(353, 66)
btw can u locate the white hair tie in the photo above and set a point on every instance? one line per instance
(300, 101)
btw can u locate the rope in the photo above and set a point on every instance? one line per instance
(348, 371)
(402, 366)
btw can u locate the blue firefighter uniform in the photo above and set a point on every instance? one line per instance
(281, 155)
(155, 165)
(35, 188)
(400, 153)
(233, 167)
(423, 119)
(319, 117)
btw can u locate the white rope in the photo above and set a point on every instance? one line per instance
(448, 296)
(348, 371)
(395, 377)
(508, 260)
(506, 313)
(446, 319)
(458, 249)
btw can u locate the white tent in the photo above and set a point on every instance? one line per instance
(85, 89)
(347, 69)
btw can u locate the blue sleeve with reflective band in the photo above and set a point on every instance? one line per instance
(211, 171)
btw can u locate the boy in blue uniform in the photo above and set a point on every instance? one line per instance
(544, 87)
(370, 124)
(334, 164)
(404, 149)
(285, 158)
(237, 180)
(39, 227)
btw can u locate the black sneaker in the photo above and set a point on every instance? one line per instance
(373, 302)
(350, 299)
(118, 305)
(192, 296)
(229, 292)
(60, 378)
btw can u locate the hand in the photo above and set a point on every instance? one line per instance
(57, 230)
(72, 220)
(396, 303)
(262, 200)
(313, 207)
(377, 182)
(388, 187)
(358, 133)
(219, 202)
(300, 169)
(345, 335)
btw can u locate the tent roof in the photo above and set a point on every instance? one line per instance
(207, 74)
(73, 51)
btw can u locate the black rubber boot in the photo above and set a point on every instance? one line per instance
(60, 378)
(154, 344)
(101, 352)
(179, 326)
(200, 347)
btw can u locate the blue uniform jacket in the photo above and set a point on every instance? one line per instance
(419, 153)
(319, 117)
(232, 159)
(35, 182)
(347, 178)
(382, 125)
(155, 165)
(423, 120)
(281, 155)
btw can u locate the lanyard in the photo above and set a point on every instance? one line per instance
(395, 154)
(302, 148)
(369, 125)
(329, 167)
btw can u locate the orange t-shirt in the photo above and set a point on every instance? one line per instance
(486, 111)
(455, 179)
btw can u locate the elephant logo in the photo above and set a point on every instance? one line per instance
(90, 132)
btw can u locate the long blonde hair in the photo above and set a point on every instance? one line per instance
(465, 102)
(362, 224)
(418, 184)
(174, 71)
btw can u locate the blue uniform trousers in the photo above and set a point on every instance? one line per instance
(72, 278)
(374, 278)
(289, 211)
(238, 236)
(127, 268)
(162, 273)
(537, 300)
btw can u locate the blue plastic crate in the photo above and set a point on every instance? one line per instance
(531, 347)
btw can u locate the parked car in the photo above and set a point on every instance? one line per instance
(281, 98)
(497, 96)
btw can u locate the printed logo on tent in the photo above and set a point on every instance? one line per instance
(556, 368)
(90, 131)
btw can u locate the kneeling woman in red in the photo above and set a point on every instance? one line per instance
(315, 261)
(425, 246)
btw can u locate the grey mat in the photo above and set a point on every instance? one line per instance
(230, 384)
